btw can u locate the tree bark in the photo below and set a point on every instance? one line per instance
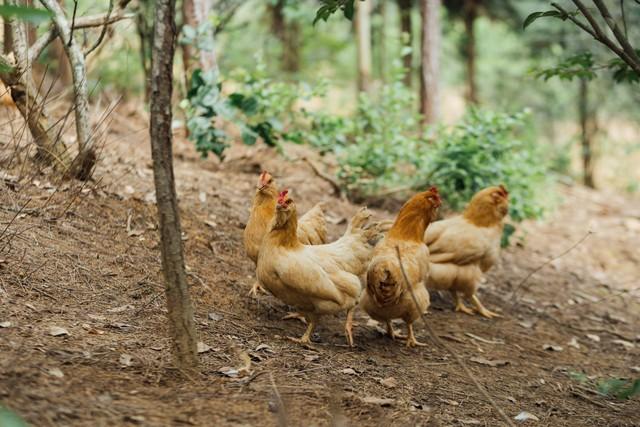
(85, 161)
(208, 60)
(430, 61)
(405, 7)
(24, 95)
(363, 38)
(26, 98)
(587, 128)
(288, 33)
(469, 49)
(179, 306)
(188, 18)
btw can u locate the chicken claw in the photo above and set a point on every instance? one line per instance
(411, 338)
(481, 310)
(306, 338)
(295, 315)
(460, 305)
(255, 289)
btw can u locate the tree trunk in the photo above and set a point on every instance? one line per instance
(288, 33)
(587, 127)
(7, 36)
(469, 49)
(380, 43)
(208, 60)
(363, 37)
(405, 7)
(430, 61)
(181, 320)
(85, 161)
(26, 97)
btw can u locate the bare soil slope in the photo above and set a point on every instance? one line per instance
(85, 258)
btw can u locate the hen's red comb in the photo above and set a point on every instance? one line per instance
(282, 197)
(503, 190)
(434, 189)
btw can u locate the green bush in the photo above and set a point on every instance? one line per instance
(487, 149)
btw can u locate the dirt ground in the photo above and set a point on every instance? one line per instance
(85, 258)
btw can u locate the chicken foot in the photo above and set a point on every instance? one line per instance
(457, 299)
(255, 289)
(393, 334)
(312, 320)
(481, 310)
(411, 338)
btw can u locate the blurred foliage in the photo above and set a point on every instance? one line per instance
(9, 418)
(618, 388)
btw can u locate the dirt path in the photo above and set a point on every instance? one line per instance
(93, 269)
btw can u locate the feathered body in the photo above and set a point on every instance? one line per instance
(319, 279)
(462, 248)
(312, 227)
(386, 296)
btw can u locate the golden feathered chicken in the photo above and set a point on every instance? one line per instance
(320, 279)
(464, 247)
(386, 296)
(312, 227)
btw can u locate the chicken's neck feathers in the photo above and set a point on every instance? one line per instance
(410, 225)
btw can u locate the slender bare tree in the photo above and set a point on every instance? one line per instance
(363, 37)
(430, 61)
(405, 7)
(179, 306)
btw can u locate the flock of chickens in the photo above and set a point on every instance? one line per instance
(398, 262)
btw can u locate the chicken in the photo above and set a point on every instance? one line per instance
(320, 279)
(464, 247)
(312, 228)
(386, 296)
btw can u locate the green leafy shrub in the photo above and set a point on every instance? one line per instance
(258, 106)
(619, 388)
(488, 149)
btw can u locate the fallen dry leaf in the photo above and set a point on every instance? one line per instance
(349, 371)
(214, 316)
(574, 343)
(5, 324)
(202, 347)
(378, 401)
(552, 347)
(593, 337)
(390, 382)
(228, 371)
(55, 372)
(626, 344)
(493, 363)
(265, 348)
(311, 357)
(125, 359)
(57, 331)
(524, 416)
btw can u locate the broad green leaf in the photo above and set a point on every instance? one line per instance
(24, 13)
(535, 15)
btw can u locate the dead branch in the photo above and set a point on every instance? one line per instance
(439, 342)
(544, 264)
(337, 190)
(622, 39)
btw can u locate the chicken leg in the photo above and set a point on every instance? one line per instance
(312, 320)
(295, 315)
(393, 334)
(348, 326)
(411, 338)
(457, 299)
(481, 310)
